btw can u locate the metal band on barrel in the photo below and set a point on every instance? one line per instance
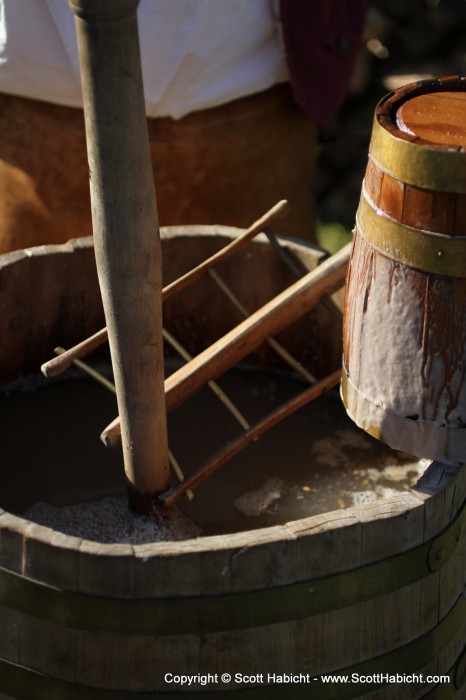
(423, 250)
(234, 611)
(374, 673)
(439, 169)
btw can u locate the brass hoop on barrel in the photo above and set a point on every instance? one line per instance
(442, 170)
(423, 250)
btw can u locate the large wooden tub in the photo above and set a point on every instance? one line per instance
(370, 592)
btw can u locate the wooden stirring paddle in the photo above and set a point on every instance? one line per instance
(126, 235)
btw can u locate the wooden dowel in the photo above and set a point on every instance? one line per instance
(213, 386)
(111, 436)
(226, 453)
(297, 267)
(274, 344)
(278, 211)
(91, 372)
(59, 364)
(226, 352)
(111, 387)
(277, 314)
(298, 273)
(179, 473)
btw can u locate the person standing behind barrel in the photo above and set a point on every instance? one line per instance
(236, 93)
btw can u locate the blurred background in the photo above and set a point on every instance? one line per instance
(404, 41)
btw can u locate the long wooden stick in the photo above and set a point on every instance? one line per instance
(226, 352)
(278, 211)
(126, 235)
(226, 453)
(59, 364)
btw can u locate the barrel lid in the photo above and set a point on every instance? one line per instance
(419, 134)
(437, 118)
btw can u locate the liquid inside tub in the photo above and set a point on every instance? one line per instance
(314, 462)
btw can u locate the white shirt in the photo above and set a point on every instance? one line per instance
(196, 54)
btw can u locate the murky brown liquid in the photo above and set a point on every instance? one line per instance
(313, 462)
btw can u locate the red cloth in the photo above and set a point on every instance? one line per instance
(321, 42)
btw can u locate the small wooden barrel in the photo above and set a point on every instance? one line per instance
(373, 591)
(405, 314)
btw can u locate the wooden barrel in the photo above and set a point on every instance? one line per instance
(405, 315)
(374, 592)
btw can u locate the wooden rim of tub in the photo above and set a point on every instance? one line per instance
(234, 609)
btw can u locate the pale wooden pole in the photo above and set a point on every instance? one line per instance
(126, 235)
